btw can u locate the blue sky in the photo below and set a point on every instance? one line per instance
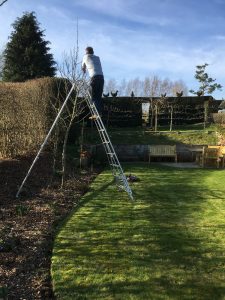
(134, 38)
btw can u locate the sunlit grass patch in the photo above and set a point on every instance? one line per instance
(168, 244)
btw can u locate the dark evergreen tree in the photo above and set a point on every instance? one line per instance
(207, 84)
(27, 53)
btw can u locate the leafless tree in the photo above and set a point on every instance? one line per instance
(110, 86)
(171, 117)
(122, 87)
(146, 87)
(172, 105)
(179, 86)
(129, 87)
(155, 86)
(154, 91)
(70, 71)
(165, 87)
(137, 87)
(157, 104)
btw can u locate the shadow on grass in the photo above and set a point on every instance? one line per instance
(169, 244)
(184, 135)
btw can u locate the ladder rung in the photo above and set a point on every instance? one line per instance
(118, 175)
(121, 187)
(110, 153)
(101, 129)
(106, 142)
(119, 179)
(114, 165)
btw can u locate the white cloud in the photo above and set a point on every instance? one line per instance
(219, 37)
(53, 12)
(131, 10)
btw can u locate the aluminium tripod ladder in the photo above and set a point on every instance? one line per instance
(117, 170)
(114, 163)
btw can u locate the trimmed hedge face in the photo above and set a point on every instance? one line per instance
(127, 111)
(23, 117)
(122, 112)
(26, 114)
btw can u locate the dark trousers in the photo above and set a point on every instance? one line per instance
(97, 84)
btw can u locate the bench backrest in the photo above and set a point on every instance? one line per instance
(222, 150)
(218, 150)
(162, 150)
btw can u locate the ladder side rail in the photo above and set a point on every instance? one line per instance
(104, 141)
(116, 158)
(105, 145)
(122, 176)
(118, 171)
(93, 112)
(99, 128)
(110, 155)
(103, 135)
(108, 138)
(45, 140)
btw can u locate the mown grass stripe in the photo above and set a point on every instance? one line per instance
(168, 244)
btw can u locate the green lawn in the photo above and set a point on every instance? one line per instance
(189, 134)
(168, 244)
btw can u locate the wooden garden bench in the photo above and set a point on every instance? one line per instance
(213, 154)
(162, 151)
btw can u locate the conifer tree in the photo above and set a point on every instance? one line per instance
(27, 53)
(207, 84)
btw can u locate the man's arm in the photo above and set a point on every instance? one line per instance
(83, 66)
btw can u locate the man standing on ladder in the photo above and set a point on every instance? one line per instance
(92, 63)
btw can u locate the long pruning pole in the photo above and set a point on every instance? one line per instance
(3, 2)
(46, 139)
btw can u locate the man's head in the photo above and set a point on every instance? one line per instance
(89, 50)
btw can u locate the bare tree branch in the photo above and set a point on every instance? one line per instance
(3, 2)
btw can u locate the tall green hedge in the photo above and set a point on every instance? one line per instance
(26, 114)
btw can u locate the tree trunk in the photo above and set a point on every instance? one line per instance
(156, 117)
(171, 118)
(82, 140)
(55, 149)
(64, 155)
(151, 114)
(152, 118)
(206, 110)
